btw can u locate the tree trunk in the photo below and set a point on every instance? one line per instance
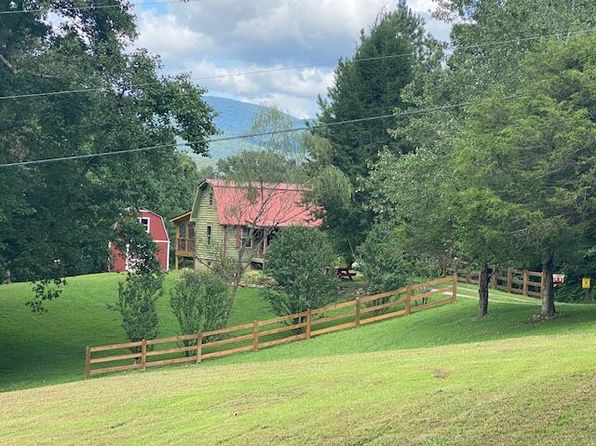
(483, 290)
(548, 298)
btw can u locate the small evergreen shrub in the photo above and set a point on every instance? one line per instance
(300, 260)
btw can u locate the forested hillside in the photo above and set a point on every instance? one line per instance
(233, 118)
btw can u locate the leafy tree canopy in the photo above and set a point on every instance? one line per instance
(528, 166)
(65, 210)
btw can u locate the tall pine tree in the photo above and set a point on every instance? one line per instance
(396, 43)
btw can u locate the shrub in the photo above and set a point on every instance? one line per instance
(387, 265)
(136, 303)
(300, 261)
(143, 285)
(201, 301)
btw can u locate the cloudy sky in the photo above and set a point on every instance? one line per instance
(215, 38)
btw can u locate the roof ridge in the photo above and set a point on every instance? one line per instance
(218, 182)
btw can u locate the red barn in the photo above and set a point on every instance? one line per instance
(156, 227)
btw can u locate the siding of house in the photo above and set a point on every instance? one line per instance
(205, 215)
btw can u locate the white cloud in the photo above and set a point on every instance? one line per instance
(292, 90)
(164, 35)
(223, 37)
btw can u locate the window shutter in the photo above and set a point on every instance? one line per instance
(238, 234)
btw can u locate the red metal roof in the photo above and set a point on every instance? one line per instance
(262, 205)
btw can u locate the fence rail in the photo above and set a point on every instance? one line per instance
(252, 336)
(524, 282)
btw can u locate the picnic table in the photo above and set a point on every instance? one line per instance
(345, 273)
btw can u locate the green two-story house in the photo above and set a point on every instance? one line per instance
(237, 220)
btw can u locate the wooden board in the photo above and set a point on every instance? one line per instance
(120, 368)
(333, 318)
(282, 341)
(228, 341)
(281, 329)
(383, 295)
(331, 329)
(226, 352)
(190, 348)
(115, 358)
(228, 330)
(446, 280)
(181, 338)
(350, 303)
(382, 317)
(171, 361)
(103, 348)
(282, 319)
(382, 306)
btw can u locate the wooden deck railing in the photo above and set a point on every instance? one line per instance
(185, 246)
(252, 336)
(527, 283)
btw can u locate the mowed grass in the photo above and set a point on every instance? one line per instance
(43, 349)
(49, 348)
(521, 391)
(437, 377)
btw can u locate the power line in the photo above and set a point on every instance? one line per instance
(290, 68)
(70, 8)
(248, 135)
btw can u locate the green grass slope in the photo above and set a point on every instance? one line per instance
(41, 349)
(535, 390)
(437, 377)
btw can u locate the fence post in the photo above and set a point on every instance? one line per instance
(357, 317)
(199, 347)
(408, 299)
(542, 283)
(255, 335)
(525, 282)
(509, 279)
(468, 276)
(87, 362)
(308, 323)
(454, 290)
(143, 354)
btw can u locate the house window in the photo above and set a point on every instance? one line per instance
(246, 237)
(208, 235)
(211, 198)
(145, 222)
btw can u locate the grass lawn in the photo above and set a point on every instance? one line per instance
(440, 376)
(41, 349)
(535, 390)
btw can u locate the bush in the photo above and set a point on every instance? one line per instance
(136, 303)
(143, 285)
(201, 301)
(387, 265)
(300, 261)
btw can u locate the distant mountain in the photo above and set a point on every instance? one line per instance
(234, 118)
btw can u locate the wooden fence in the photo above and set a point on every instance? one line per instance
(527, 283)
(211, 344)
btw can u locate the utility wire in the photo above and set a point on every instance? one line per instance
(70, 8)
(291, 68)
(248, 135)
